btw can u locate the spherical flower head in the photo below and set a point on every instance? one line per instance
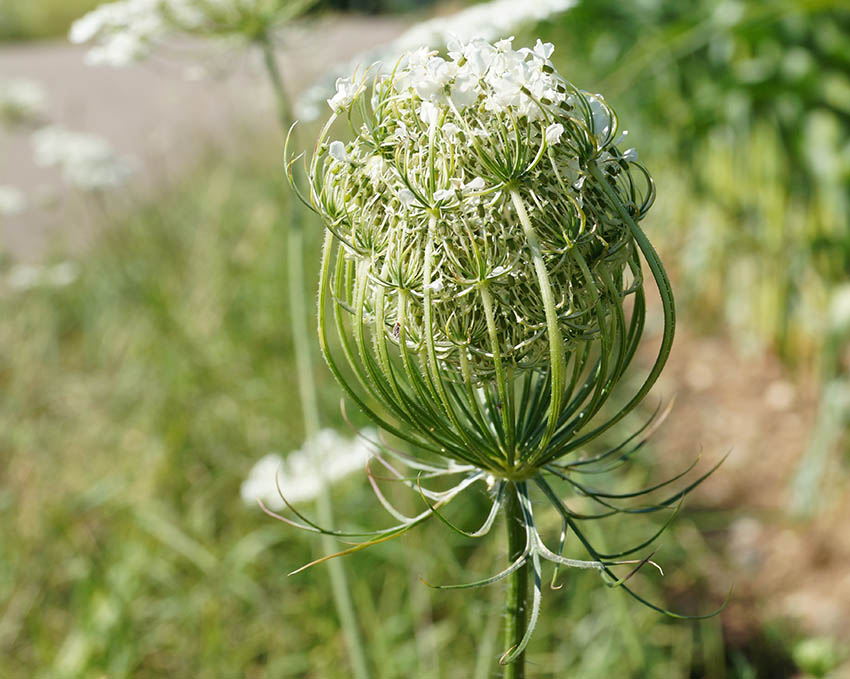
(483, 270)
(444, 148)
(484, 225)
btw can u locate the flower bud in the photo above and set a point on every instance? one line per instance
(484, 243)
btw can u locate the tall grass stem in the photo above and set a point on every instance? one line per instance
(307, 383)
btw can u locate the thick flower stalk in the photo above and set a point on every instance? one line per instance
(483, 271)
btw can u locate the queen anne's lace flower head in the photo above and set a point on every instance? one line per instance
(483, 269)
(483, 243)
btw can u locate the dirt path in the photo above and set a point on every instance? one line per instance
(153, 112)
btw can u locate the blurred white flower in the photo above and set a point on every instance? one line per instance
(87, 161)
(127, 30)
(124, 30)
(12, 200)
(28, 276)
(24, 276)
(22, 100)
(487, 22)
(839, 308)
(62, 274)
(299, 477)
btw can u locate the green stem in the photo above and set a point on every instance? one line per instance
(516, 602)
(284, 112)
(307, 383)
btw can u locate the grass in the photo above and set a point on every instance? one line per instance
(34, 19)
(137, 398)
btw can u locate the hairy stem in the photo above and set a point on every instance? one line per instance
(516, 602)
(307, 383)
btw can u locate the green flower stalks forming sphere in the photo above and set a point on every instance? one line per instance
(484, 245)
(483, 270)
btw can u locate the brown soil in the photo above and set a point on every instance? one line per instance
(783, 568)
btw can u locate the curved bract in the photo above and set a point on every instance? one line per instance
(483, 264)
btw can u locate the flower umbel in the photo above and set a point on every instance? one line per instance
(125, 31)
(485, 238)
(484, 271)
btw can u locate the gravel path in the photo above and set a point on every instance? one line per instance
(152, 111)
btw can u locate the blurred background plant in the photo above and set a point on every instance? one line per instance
(754, 99)
(143, 377)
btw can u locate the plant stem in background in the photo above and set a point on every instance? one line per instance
(306, 381)
(516, 600)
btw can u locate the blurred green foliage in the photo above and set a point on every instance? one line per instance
(742, 112)
(377, 5)
(32, 19)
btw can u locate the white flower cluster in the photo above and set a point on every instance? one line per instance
(22, 100)
(300, 475)
(488, 21)
(447, 150)
(12, 200)
(87, 161)
(127, 30)
(507, 80)
(124, 30)
(28, 276)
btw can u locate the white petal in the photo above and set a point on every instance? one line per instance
(337, 151)
(553, 133)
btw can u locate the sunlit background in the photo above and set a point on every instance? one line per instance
(146, 360)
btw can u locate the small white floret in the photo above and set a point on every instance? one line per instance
(407, 197)
(338, 152)
(553, 133)
(346, 90)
